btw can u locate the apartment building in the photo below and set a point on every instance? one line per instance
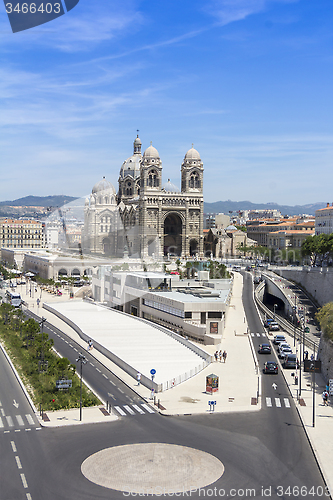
(324, 220)
(21, 233)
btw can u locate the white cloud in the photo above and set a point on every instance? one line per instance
(228, 11)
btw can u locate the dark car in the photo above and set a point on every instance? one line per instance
(271, 367)
(268, 322)
(264, 349)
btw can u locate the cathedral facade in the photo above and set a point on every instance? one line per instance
(147, 218)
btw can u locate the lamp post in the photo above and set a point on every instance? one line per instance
(82, 360)
(41, 324)
(275, 305)
(295, 319)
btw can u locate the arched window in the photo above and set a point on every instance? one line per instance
(152, 180)
(194, 181)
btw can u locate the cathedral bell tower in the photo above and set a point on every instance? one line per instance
(150, 171)
(192, 172)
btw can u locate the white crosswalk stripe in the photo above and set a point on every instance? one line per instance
(137, 408)
(268, 402)
(29, 418)
(129, 409)
(278, 402)
(286, 403)
(258, 334)
(252, 334)
(146, 407)
(263, 334)
(1, 423)
(119, 410)
(19, 420)
(10, 421)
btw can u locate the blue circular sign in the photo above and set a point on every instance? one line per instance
(152, 371)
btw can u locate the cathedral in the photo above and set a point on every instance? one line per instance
(147, 218)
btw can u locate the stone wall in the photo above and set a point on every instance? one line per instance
(317, 281)
(325, 354)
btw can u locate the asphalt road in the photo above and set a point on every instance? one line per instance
(264, 453)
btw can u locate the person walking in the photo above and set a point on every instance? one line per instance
(325, 398)
(90, 345)
(220, 356)
(138, 378)
(224, 355)
(216, 355)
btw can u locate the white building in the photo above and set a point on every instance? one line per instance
(195, 309)
(324, 220)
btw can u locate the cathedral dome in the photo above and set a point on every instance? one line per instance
(151, 152)
(192, 154)
(131, 166)
(170, 188)
(137, 141)
(103, 185)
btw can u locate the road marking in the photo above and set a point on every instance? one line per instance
(129, 409)
(112, 383)
(70, 345)
(120, 390)
(137, 408)
(13, 445)
(24, 481)
(38, 428)
(6, 432)
(27, 430)
(146, 407)
(66, 341)
(75, 349)
(29, 418)
(2, 412)
(98, 370)
(18, 462)
(258, 334)
(263, 334)
(268, 402)
(128, 397)
(0, 403)
(19, 420)
(92, 364)
(278, 402)
(17, 430)
(10, 421)
(286, 402)
(1, 423)
(252, 334)
(28, 496)
(103, 374)
(119, 410)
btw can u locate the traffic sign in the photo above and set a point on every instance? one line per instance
(152, 371)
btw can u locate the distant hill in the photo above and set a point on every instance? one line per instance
(39, 201)
(234, 206)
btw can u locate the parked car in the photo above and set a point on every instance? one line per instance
(282, 345)
(284, 352)
(264, 349)
(274, 327)
(271, 367)
(278, 339)
(290, 361)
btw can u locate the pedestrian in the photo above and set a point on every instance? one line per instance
(220, 356)
(138, 378)
(306, 355)
(312, 357)
(224, 355)
(90, 345)
(216, 355)
(325, 398)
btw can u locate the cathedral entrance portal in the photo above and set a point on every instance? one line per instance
(193, 247)
(173, 235)
(106, 246)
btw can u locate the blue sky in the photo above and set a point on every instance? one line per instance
(249, 82)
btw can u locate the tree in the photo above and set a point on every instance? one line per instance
(30, 328)
(6, 312)
(325, 318)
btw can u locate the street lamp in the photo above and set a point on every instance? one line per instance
(82, 360)
(275, 305)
